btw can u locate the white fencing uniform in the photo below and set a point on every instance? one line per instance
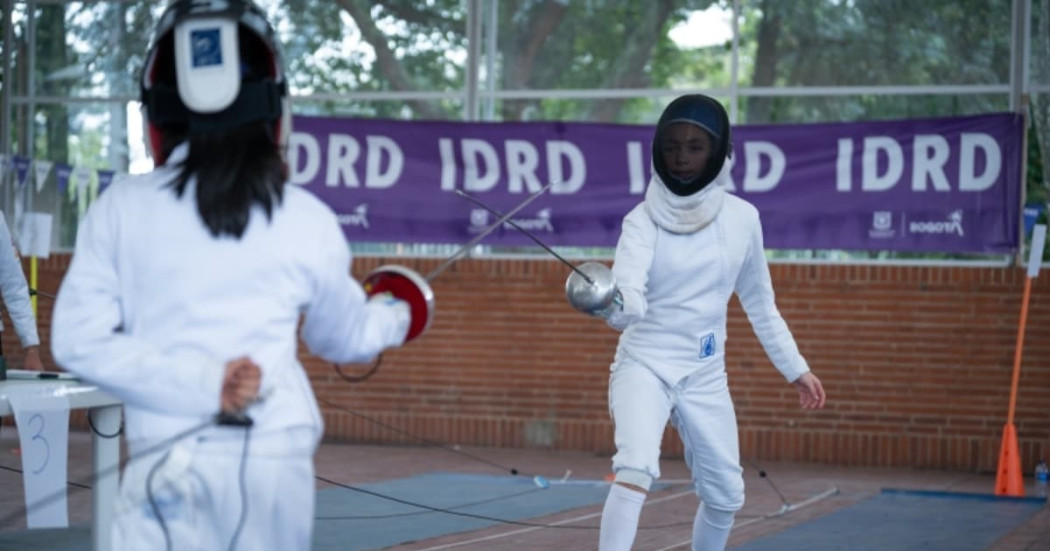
(15, 290)
(670, 362)
(153, 307)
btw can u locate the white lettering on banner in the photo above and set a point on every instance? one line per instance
(952, 225)
(522, 160)
(930, 154)
(566, 166)
(968, 180)
(448, 164)
(844, 166)
(343, 152)
(871, 180)
(377, 147)
(476, 177)
(635, 170)
(754, 152)
(556, 150)
(311, 157)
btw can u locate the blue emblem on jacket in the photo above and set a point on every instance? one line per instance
(707, 346)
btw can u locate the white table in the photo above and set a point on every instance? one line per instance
(105, 414)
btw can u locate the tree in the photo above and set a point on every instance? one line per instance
(547, 44)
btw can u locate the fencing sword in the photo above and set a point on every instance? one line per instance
(503, 218)
(515, 225)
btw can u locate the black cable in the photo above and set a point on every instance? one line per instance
(153, 503)
(446, 447)
(116, 468)
(446, 511)
(244, 491)
(33, 291)
(359, 378)
(484, 517)
(21, 472)
(91, 423)
(762, 474)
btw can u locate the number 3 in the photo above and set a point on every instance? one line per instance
(37, 436)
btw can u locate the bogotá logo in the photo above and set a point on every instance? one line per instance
(953, 224)
(882, 225)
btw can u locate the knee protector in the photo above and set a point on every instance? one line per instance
(634, 478)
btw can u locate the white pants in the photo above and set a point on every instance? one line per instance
(197, 490)
(699, 407)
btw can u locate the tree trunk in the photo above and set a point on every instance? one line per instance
(388, 64)
(758, 108)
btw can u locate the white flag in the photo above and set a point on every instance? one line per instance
(41, 169)
(34, 237)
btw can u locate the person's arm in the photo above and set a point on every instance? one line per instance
(86, 336)
(340, 323)
(634, 256)
(754, 287)
(15, 292)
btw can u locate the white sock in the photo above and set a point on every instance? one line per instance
(711, 528)
(623, 506)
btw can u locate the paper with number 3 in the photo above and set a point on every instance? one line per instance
(43, 434)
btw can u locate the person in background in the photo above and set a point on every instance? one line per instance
(15, 292)
(683, 252)
(190, 288)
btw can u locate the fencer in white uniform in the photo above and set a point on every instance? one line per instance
(15, 292)
(681, 255)
(201, 277)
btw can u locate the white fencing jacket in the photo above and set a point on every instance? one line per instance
(15, 290)
(153, 307)
(676, 289)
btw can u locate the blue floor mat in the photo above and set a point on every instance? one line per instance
(348, 520)
(904, 520)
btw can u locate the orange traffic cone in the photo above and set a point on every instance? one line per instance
(1008, 480)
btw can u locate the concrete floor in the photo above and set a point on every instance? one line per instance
(790, 494)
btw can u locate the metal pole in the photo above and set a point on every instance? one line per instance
(1021, 32)
(5, 96)
(491, 44)
(734, 67)
(470, 109)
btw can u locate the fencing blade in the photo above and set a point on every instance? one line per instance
(477, 239)
(528, 234)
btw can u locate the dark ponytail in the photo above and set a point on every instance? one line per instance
(235, 170)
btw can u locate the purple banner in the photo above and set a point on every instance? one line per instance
(930, 185)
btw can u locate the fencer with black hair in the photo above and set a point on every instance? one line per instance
(682, 253)
(191, 286)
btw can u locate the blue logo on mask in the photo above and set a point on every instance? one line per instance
(707, 346)
(206, 47)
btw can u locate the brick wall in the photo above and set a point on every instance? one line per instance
(917, 362)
